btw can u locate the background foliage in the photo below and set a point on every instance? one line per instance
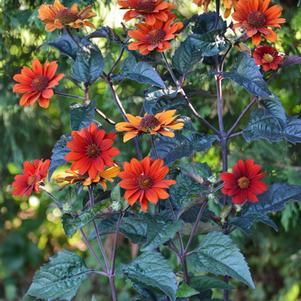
(30, 231)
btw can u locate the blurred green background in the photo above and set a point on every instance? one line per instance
(31, 231)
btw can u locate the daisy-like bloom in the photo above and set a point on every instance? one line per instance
(229, 4)
(267, 57)
(36, 84)
(32, 176)
(154, 37)
(91, 150)
(72, 177)
(151, 10)
(257, 19)
(244, 183)
(204, 3)
(162, 123)
(144, 181)
(57, 16)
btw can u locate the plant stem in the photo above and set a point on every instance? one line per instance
(122, 111)
(103, 115)
(154, 147)
(181, 90)
(241, 115)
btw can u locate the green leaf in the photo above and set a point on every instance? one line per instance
(60, 278)
(88, 65)
(82, 115)
(184, 144)
(292, 130)
(159, 231)
(72, 223)
(263, 125)
(247, 74)
(66, 45)
(217, 254)
(204, 283)
(140, 72)
(206, 22)
(163, 100)
(186, 291)
(274, 107)
(58, 153)
(152, 271)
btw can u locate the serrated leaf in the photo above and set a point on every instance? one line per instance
(204, 283)
(58, 153)
(274, 107)
(152, 271)
(186, 291)
(292, 130)
(247, 74)
(60, 278)
(217, 254)
(163, 100)
(182, 145)
(82, 115)
(88, 65)
(141, 72)
(66, 45)
(72, 223)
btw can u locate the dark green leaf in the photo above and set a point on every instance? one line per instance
(88, 65)
(152, 271)
(204, 283)
(82, 115)
(72, 223)
(66, 45)
(60, 278)
(292, 130)
(141, 72)
(274, 107)
(58, 153)
(217, 254)
(247, 74)
(186, 291)
(208, 22)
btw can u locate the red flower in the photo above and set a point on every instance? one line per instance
(91, 150)
(257, 18)
(29, 181)
(154, 37)
(244, 183)
(144, 181)
(151, 10)
(267, 57)
(37, 83)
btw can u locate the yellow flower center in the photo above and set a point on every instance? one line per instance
(66, 16)
(268, 57)
(145, 182)
(155, 36)
(243, 182)
(40, 83)
(146, 6)
(93, 150)
(149, 122)
(257, 19)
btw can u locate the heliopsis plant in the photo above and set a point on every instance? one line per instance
(160, 190)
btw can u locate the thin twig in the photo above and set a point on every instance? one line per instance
(68, 95)
(103, 115)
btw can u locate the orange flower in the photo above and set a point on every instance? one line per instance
(73, 177)
(154, 37)
(57, 16)
(32, 176)
(144, 181)
(151, 10)
(229, 4)
(267, 57)
(205, 3)
(37, 83)
(257, 18)
(162, 123)
(91, 150)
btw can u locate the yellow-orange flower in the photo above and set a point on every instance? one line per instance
(73, 177)
(162, 123)
(204, 3)
(229, 5)
(257, 19)
(151, 10)
(154, 37)
(57, 16)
